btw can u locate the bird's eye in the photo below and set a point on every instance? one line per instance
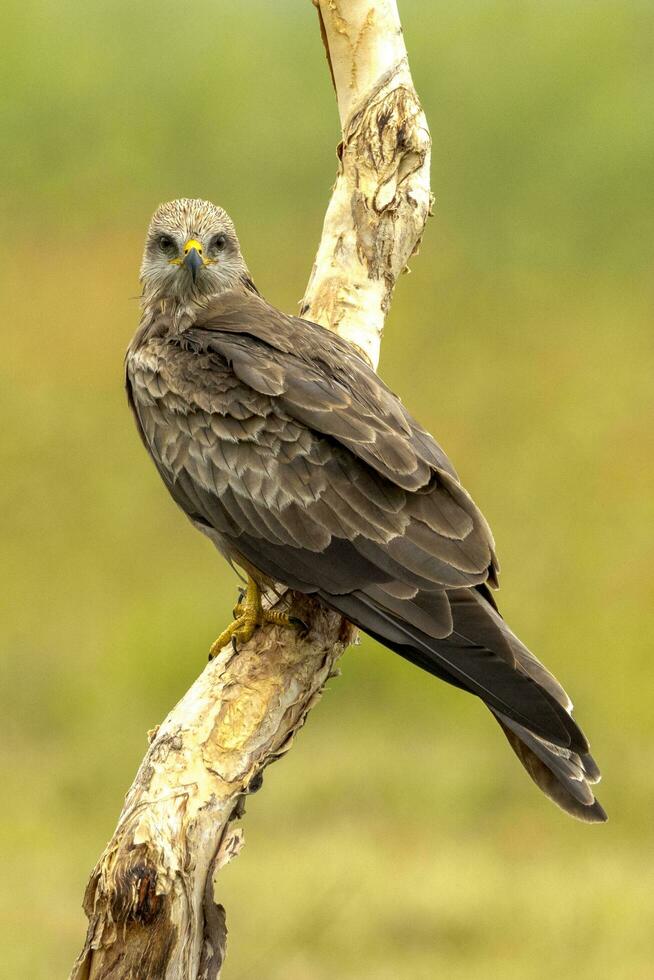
(219, 242)
(166, 243)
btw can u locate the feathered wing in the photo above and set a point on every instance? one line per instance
(279, 442)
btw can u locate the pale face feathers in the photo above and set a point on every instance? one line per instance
(191, 252)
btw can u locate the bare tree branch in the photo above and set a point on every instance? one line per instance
(381, 199)
(150, 900)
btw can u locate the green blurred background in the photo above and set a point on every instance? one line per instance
(400, 838)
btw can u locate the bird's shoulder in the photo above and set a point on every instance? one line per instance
(321, 380)
(245, 312)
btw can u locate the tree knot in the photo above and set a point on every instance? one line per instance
(135, 895)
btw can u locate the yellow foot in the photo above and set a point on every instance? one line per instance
(248, 614)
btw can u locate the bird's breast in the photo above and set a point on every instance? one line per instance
(197, 417)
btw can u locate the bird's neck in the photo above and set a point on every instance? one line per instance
(181, 312)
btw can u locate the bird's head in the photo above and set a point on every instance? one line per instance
(191, 252)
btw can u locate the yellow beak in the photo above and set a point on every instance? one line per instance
(193, 260)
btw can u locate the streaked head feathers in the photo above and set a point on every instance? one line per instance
(191, 252)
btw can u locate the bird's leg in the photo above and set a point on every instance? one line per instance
(248, 614)
(239, 608)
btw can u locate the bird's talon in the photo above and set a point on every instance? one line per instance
(248, 615)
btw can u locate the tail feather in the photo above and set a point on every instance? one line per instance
(468, 658)
(562, 775)
(482, 655)
(565, 776)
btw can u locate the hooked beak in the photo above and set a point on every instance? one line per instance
(193, 258)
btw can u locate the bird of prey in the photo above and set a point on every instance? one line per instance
(280, 443)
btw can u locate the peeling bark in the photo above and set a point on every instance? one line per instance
(150, 899)
(382, 198)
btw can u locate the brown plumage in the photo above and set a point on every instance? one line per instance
(282, 445)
